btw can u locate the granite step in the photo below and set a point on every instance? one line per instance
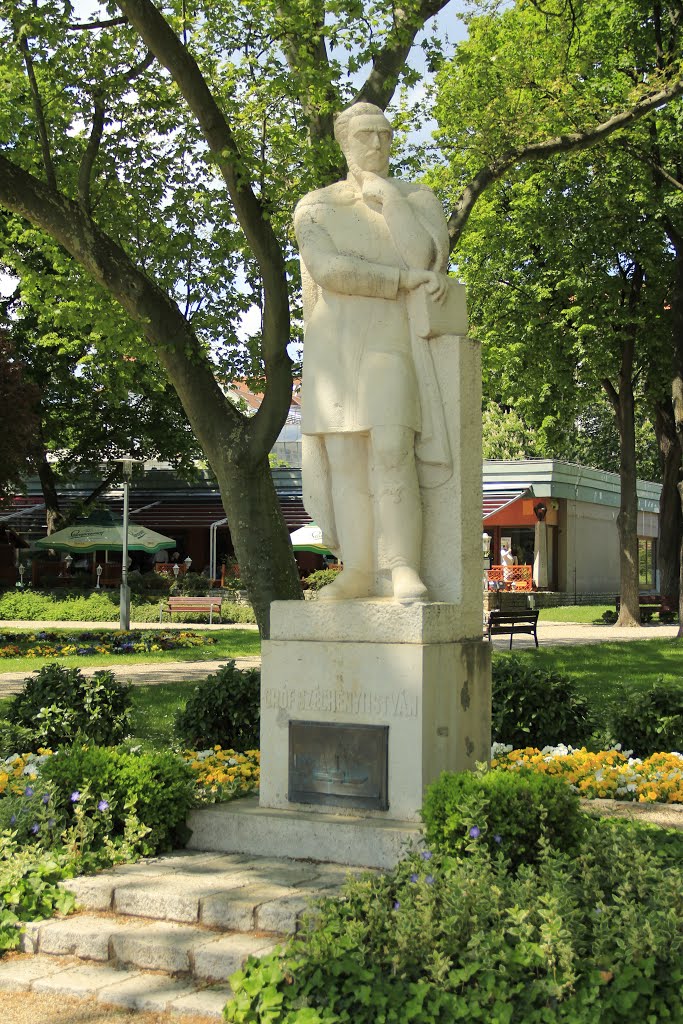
(147, 945)
(165, 934)
(113, 985)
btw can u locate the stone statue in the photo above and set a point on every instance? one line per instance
(374, 252)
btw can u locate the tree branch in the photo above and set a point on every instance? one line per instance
(90, 155)
(170, 52)
(175, 343)
(570, 143)
(380, 85)
(88, 25)
(39, 111)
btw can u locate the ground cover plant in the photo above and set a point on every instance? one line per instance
(589, 939)
(168, 644)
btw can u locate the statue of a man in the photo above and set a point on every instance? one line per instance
(369, 244)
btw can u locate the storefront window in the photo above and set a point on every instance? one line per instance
(646, 562)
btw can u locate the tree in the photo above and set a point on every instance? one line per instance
(576, 284)
(203, 124)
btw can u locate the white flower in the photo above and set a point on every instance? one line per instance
(498, 749)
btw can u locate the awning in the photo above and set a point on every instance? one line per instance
(497, 498)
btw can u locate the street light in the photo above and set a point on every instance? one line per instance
(187, 563)
(22, 570)
(124, 603)
(98, 570)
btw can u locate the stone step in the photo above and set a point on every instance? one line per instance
(178, 949)
(112, 985)
(224, 892)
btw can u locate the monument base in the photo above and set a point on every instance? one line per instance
(336, 675)
(355, 840)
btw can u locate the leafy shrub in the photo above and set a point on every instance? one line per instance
(505, 811)
(224, 709)
(535, 707)
(14, 738)
(649, 721)
(156, 786)
(148, 583)
(30, 814)
(321, 577)
(609, 617)
(29, 887)
(190, 584)
(57, 703)
(594, 939)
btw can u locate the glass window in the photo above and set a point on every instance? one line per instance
(647, 558)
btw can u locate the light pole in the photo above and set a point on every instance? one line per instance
(124, 603)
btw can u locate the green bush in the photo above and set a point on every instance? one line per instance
(29, 887)
(510, 812)
(533, 707)
(156, 786)
(148, 584)
(58, 703)
(593, 939)
(224, 709)
(649, 721)
(31, 814)
(190, 584)
(14, 739)
(320, 578)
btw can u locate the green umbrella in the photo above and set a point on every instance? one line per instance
(309, 538)
(99, 532)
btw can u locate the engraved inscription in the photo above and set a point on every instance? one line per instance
(341, 702)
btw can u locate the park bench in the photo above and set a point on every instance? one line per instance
(649, 604)
(500, 623)
(191, 604)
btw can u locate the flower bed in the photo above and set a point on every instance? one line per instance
(221, 775)
(106, 641)
(608, 774)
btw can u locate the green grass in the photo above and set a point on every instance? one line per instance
(154, 709)
(606, 671)
(230, 643)
(591, 613)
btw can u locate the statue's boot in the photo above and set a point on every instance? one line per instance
(407, 584)
(349, 584)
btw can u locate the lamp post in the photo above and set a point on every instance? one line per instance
(22, 570)
(98, 570)
(176, 570)
(187, 563)
(124, 603)
(67, 562)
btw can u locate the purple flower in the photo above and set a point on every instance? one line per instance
(497, 838)
(35, 828)
(475, 832)
(75, 796)
(397, 905)
(413, 878)
(13, 820)
(429, 879)
(50, 822)
(426, 855)
(103, 806)
(28, 791)
(46, 798)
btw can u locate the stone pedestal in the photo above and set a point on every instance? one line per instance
(406, 668)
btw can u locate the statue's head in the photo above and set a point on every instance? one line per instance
(364, 135)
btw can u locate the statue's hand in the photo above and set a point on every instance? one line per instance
(376, 189)
(436, 284)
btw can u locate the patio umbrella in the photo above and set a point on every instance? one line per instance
(309, 538)
(99, 532)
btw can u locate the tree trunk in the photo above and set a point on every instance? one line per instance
(48, 485)
(627, 521)
(670, 513)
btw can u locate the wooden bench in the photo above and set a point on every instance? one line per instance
(648, 605)
(191, 604)
(512, 622)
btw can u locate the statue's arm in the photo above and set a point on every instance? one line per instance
(418, 228)
(338, 272)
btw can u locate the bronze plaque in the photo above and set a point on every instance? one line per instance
(341, 765)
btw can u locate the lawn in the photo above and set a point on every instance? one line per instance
(607, 670)
(229, 643)
(590, 613)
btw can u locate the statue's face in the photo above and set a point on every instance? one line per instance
(368, 143)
